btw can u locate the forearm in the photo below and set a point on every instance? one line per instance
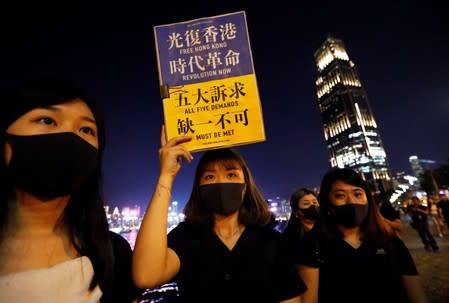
(414, 289)
(150, 251)
(310, 276)
(396, 224)
(292, 300)
(422, 211)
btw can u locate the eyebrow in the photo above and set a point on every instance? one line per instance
(56, 109)
(88, 119)
(354, 191)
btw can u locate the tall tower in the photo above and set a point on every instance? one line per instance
(350, 129)
(417, 168)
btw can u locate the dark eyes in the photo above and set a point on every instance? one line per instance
(51, 122)
(87, 130)
(46, 121)
(229, 175)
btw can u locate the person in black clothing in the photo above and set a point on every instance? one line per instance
(419, 215)
(305, 210)
(353, 255)
(55, 245)
(223, 251)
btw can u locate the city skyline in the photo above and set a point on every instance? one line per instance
(400, 50)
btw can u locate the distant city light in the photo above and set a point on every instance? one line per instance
(127, 221)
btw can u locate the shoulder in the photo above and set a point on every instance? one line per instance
(289, 232)
(187, 235)
(401, 257)
(187, 228)
(115, 237)
(262, 236)
(119, 244)
(396, 245)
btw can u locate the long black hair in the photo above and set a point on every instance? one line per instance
(84, 216)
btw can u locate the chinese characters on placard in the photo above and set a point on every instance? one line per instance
(195, 41)
(209, 86)
(217, 97)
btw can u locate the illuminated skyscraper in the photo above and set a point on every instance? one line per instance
(419, 166)
(350, 129)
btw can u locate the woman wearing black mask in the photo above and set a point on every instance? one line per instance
(223, 251)
(354, 255)
(305, 210)
(54, 240)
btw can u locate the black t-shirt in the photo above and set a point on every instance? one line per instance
(418, 216)
(123, 290)
(293, 235)
(370, 273)
(255, 270)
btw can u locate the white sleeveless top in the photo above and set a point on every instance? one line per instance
(66, 282)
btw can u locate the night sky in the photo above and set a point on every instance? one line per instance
(400, 48)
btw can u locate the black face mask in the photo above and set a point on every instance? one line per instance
(312, 212)
(350, 215)
(50, 165)
(222, 198)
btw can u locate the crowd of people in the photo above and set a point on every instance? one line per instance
(342, 244)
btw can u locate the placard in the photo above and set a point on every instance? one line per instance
(208, 84)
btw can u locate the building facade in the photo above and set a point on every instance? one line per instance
(420, 166)
(350, 129)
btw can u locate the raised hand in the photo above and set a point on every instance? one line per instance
(171, 154)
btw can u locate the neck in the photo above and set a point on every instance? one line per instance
(31, 215)
(350, 233)
(227, 226)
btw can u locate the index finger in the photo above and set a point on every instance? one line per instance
(178, 140)
(163, 136)
(173, 141)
